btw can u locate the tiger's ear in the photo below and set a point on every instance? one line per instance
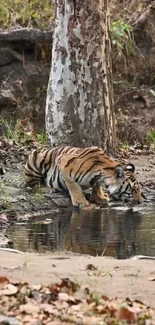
(119, 171)
(130, 167)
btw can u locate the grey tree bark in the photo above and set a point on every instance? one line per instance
(79, 106)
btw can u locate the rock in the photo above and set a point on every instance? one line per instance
(5, 242)
(7, 97)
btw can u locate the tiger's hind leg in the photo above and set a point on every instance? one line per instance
(77, 197)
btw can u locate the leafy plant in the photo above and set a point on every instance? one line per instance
(26, 13)
(42, 138)
(39, 194)
(151, 138)
(125, 146)
(121, 34)
(21, 132)
(8, 129)
(15, 132)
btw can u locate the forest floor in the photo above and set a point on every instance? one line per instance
(60, 289)
(103, 276)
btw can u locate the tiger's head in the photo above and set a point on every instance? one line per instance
(127, 189)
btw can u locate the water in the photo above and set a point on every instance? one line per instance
(116, 232)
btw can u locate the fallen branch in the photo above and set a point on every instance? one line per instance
(143, 257)
(11, 250)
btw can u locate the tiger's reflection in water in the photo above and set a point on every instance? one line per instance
(98, 232)
(103, 233)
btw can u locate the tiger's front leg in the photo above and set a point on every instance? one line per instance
(99, 196)
(77, 197)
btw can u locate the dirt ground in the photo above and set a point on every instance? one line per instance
(145, 167)
(113, 278)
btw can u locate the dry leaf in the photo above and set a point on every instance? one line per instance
(66, 302)
(91, 267)
(49, 309)
(45, 290)
(3, 217)
(29, 308)
(70, 285)
(36, 287)
(9, 289)
(90, 273)
(127, 313)
(65, 297)
(80, 295)
(3, 279)
(76, 307)
(101, 274)
(9, 320)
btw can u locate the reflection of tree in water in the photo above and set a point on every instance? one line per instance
(126, 245)
(106, 231)
(49, 236)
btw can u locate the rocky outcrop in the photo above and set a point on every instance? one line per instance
(25, 57)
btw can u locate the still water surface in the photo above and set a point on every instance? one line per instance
(114, 231)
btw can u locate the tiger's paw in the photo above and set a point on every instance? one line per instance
(100, 202)
(80, 204)
(87, 206)
(91, 207)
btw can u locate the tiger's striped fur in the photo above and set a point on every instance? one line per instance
(74, 169)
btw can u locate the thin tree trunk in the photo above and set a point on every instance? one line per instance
(79, 106)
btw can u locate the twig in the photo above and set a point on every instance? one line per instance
(12, 267)
(142, 17)
(143, 257)
(11, 250)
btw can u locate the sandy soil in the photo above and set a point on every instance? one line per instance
(114, 278)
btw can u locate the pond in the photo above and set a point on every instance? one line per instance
(115, 231)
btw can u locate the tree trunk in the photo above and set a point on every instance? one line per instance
(79, 106)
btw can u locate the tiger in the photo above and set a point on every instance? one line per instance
(75, 169)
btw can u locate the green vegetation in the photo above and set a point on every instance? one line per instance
(121, 35)
(14, 132)
(21, 132)
(125, 146)
(8, 129)
(27, 13)
(42, 138)
(4, 202)
(151, 138)
(38, 195)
